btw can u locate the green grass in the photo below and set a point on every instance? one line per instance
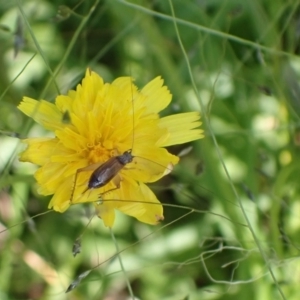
(232, 220)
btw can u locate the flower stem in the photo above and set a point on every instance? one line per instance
(121, 264)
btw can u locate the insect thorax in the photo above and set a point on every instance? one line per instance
(125, 158)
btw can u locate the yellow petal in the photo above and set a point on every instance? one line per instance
(125, 84)
(107, 213)
(39, 150)
(141, 203)
(157, 97)
(64, 103)
(50, 176)
(71, 139)
(133, 199)
(43, 112)
(182, 128)
(87, 94)
(60, 201)
(151, 165)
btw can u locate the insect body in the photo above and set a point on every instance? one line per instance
(107, 171)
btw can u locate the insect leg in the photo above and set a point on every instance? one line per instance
(87, 168)
(116, 180)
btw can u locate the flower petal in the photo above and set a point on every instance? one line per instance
(39, 150)
(64, 103)
(142, 204)
(107, 213)
(158, 96)
(133, 199)
(71, 139)
(43, 112)
(151, 165)
(60, 200)
(87, 94)
(181, 128)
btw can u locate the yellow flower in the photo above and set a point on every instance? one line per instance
(105, 120)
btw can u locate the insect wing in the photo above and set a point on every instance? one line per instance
(105, 173)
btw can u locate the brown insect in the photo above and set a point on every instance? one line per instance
(107, 171)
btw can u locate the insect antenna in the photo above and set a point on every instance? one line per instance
(133, 116)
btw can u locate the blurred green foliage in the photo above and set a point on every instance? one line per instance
(225, 236)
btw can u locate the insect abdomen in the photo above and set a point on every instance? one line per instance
(106, 172)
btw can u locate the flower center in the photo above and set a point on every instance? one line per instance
(98, 153)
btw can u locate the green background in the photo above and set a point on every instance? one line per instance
(232, 220)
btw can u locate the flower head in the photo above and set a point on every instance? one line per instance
(105, 121)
